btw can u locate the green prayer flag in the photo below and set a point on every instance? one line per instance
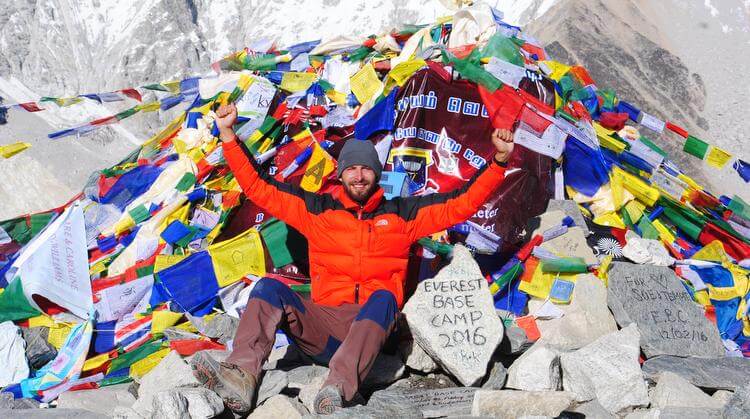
(129, 358)
(695, 147)
(648, 231)
(155, 86)
(274, 233)
(652, 146)
(126, 113)
(139, 214)
(188, 180)
(503, 48)
(13, 303)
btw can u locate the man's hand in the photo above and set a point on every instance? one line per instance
(226, 116)
(502, 139)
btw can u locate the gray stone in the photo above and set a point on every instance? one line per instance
(304, 374)
(514, 404)
(537, 369)
(386, 370)
(424, 382)
(713, 374)
(308, 392)
(674, 391)
(675, 413)
(50, 414)
(592, 410)
(722, 396)
(279, 406)
(286, 357)
(497, 377)
(515, 340)
(416, 358)
(121, 412)
(369, 412)
(186, 402)
(431, 403)
(669, 321)
(738, 405)
(452, 317)
(586, 318)
(38, 351)
(102, 400)
(572, 243)
(273, 383)
(607, 370)
(221, 327)
(170, 373)
(8, 402)
(570, 208)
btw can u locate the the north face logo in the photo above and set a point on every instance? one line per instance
(381, 223)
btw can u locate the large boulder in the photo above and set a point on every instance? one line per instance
(516, 404)
(674, 391)
(454, 401)
(279, 406)
(187, 402)
(172, 372)
(102, 400)
(711, 374)
(537, 369)
(452, 317)
(607, 370)
(585, 319)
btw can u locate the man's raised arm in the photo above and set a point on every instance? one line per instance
(283, 201)
(429, 214)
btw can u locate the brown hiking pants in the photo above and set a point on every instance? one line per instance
(347, 338)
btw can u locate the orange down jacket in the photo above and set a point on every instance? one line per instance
(355, 249)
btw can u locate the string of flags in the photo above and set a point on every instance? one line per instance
(164, 243)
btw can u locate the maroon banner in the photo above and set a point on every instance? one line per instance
(443, 136)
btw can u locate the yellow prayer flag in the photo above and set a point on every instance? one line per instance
(165, 261)
(365, 83)
(293, 81)
(664, 233)
(635, 210)
(401, 73)
(712, 252)
(237, 257)
(10, 150)
(143, 366)
(558, 69)
(95, 362)
(610, 219)
(337, 97)
(319, 166)
(162, 319)
(57, 334)
(717, 158)
(701, 297)
(41, 320)
(173, 86)
(149, 107)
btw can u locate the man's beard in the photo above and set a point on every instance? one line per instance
(359, 195)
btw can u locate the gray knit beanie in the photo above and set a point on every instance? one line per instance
(359, 152)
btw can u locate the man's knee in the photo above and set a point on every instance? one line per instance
(381, 308)
(276, 293)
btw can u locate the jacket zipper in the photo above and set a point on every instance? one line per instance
(356, 284)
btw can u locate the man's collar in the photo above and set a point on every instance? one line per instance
(350, 204)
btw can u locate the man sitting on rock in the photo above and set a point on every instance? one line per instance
(359, 245)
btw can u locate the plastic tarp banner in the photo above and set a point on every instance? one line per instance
(442, 136)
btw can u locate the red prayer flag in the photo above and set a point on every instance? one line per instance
(682, 132)
(132, 93)
(30, 107)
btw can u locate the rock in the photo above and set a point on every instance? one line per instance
(38, 351)
(514, 404)
(425, 382)
(675, 413)
(515, 340)
(308, 392)
(572, 243)
(497, 377)
(674, 391)
(221, 327)
(570, 208)
(285, 357)
(738, 405)
(431, 403)
(452, 317)
(102, 400)
(300, 376)
(722, 396)
(279, 406)
(50, 414)
(669, 321)
(120, 412)
(273, 383)
(170, 373)
(537, 369)
(8, 402)
(369, 412)
(416, 358)
(713, 374)
(592, 410)
(194, 403)
(586, 317)
(607, 370)
(385, 371)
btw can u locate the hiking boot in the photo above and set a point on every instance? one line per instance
(235, 386)
(328, 400)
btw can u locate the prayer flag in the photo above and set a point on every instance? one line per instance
(717, 157)
(695, 147)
